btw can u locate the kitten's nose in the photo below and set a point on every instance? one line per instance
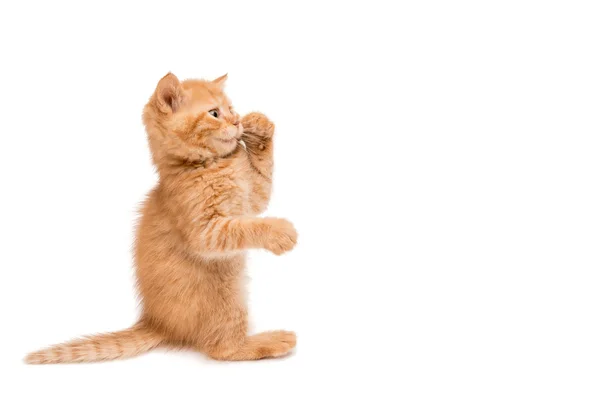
(236, 122)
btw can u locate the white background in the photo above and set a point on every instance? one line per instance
(440, 161)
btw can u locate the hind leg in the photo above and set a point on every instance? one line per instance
(263, 345)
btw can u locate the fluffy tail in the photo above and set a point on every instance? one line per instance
(106, 346)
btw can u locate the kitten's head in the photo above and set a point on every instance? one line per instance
(191, 120)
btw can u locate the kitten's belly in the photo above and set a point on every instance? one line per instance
(185, 297)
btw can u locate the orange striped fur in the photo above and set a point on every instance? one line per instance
(103, 347)
(194, 230)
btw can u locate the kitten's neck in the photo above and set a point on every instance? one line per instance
(174, 166)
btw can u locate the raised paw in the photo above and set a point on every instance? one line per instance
(259, 125)
(281, 236)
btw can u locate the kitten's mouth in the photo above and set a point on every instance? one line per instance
(227, 141)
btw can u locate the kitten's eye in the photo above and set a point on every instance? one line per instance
(214, 112)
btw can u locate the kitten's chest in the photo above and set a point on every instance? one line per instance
(231, 192)
(239, 201)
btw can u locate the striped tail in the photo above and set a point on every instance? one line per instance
(103, 347)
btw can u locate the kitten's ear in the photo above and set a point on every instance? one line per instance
(169, 93)
(220, 81)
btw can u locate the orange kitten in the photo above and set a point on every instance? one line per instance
(194, 230)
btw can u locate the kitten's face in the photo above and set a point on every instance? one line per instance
(199, 114)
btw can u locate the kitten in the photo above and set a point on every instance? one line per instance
(195, 227)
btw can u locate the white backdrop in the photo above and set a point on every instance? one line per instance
(440, 161)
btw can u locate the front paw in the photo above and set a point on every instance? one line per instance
(257, 124)
(281, 236)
